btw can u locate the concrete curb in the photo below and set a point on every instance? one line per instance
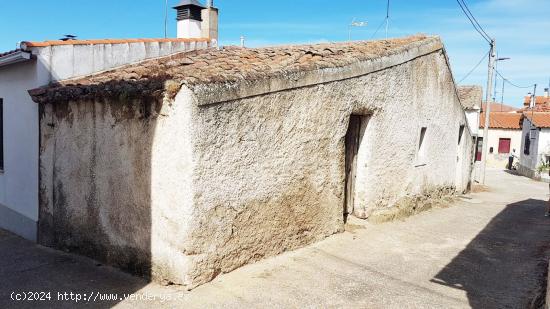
(547, 305)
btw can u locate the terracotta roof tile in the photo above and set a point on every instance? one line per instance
(540, 100)
(538, 108)
(499, 107)
(502, 121)
(540, 119)
(470, 96)
(224, 66)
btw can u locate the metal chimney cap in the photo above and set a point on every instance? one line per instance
(189, 3)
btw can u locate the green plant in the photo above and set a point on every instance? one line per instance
(543, 166)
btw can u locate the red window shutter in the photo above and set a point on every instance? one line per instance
(504, 145)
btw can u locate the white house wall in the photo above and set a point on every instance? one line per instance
(19, 181)
(544, 143)
(539, 148)
(69, 61)
(271, 166)
(495, 159)
(473, 121)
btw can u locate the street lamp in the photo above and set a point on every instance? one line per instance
(356, 24)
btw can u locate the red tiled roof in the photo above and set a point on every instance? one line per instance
(105, 41)
(538, 108)
(502, 121)
(499, 107)
(540, 119)
(222, 67)
(540, 100)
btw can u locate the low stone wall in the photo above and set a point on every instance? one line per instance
(527, 172)
(73, 60)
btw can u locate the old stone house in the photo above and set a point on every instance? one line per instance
(191, 165)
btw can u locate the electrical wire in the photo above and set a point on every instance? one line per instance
(385, 21)
(479, 30)
(509, 82)
(477, 65)
(378, 29)
(472, 15)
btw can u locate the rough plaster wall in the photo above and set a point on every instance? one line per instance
(95, 188)
(528, 162)
(185, 192)
(172, 191)
(270, 168)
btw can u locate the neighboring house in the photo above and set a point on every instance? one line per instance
(535, 145)
(535, 135)
(504, 137)
(542, 103)
(189, 166)
(499, 108)
(36, 64)
(471, 98)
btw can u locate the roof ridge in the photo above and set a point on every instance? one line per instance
(234, 72)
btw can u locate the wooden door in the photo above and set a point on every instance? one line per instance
(353, 139)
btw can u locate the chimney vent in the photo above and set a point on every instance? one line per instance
(189, 19)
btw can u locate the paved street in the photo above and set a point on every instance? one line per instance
(487, 250)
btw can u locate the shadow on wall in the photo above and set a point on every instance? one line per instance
(505, 265)
(95, 180)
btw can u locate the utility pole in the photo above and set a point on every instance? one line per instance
(487, 111)
(502, 97)
(166, 19)
(534, 97)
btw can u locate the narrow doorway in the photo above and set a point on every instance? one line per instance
(354, 137)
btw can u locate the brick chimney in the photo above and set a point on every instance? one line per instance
(210, 22)
(189, 19)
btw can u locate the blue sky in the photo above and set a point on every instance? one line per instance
(521, 27)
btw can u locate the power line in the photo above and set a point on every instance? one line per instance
(476, 25)
(477, 65)
(509, 82)
(472, 15)
(378, 29)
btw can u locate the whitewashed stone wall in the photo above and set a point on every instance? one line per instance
(224, 181)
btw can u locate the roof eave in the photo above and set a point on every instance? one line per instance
(15, 58)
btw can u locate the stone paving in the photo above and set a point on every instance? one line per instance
(488, 250)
